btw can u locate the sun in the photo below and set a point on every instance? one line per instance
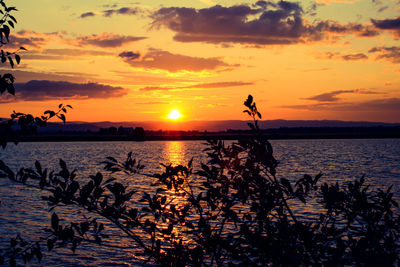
(174, 114)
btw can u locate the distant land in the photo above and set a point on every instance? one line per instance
(209, 126)
(202, 130)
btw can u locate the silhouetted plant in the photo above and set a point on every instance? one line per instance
(19, 123)
(234, 211)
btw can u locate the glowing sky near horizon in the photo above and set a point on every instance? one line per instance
(136, 61)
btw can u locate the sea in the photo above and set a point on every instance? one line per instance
(23, 212)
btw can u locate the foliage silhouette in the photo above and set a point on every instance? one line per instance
(234, 211)
(19, 123)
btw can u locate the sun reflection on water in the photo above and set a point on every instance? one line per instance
(175, 153)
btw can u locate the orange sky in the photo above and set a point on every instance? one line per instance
(137, 61)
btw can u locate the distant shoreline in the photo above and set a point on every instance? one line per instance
(97, 138)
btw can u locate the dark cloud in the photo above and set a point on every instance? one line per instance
(63, 54)
(197, 86)
(333, 95)
(329, 97)
(386, 109)
(152, 103)
(87, 14)
(30, 39)
(387, 24)
(24, 76)
(383, 9)
(264, 23)
(391, 25)
(164, 60)
(107, 40)
(36, 90)
(75, 52)
(121, 11)
(129, 55)
(358, 56)
(391, 54)
(346, 57)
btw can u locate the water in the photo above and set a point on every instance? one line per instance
(22, 211)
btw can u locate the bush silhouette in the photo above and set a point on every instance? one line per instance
(234, 211)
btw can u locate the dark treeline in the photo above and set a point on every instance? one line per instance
(139, 134)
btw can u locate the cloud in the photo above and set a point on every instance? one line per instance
(333, 96)
(164, 60)
(388, 24)
(196, 86)
(346, 57)
(358, 56)
(106, 40)
(265, 23)
(389, 106)
(121, 11)
(327, 2)
(382, 9)
(391, 54)
(152, 103)
(36, 90)
(129, 55)
(87, 14)
(63, 54)
(30, 39)
(329, 97)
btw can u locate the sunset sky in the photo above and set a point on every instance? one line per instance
(138, 60)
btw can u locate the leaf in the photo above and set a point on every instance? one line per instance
(11, 62)
(17, 58)
(13, 18)
(251, 126)
(63, 165)
(11, 89)
(61, 117)
(50, 244)
(50, 112)
(286, 183)
(54, 221)
(6, 31)
(23, 48)
(38, 167)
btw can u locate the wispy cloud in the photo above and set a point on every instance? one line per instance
(31, 39)
(380, 105)
(164, 60)
(87, 14)
(196, 86)
(121, 11)
(36, 90)
(346, 57)
(105, 40)
(63, 54)
(385, 109)
(333, 95)
(113, 10)
(391, 54)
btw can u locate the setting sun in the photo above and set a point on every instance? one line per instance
(174, 114)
